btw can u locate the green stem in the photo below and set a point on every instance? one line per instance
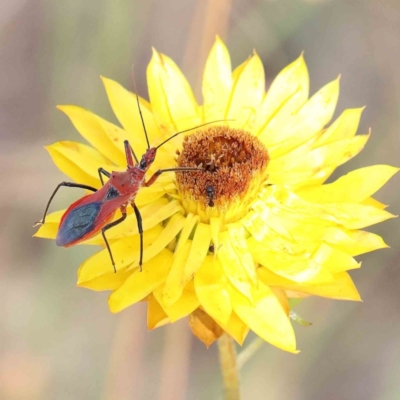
(249, 352)
(227, 359)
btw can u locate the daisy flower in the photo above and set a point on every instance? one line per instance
(229, 246)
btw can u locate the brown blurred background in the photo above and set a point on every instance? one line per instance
(61, 342)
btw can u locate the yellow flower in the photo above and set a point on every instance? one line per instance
(228, 246)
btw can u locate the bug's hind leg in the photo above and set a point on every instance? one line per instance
(108, 226)
(140, 229)
(67, 184)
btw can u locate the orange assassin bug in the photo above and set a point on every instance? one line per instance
(92, 213)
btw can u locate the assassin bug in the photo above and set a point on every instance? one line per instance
(93, 213)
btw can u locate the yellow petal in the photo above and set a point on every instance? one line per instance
(341, 288)
(351, 216)
(266, 317)
(239, 245)
(173, 286)
(171, 230)
(204, 327)
(318, 111)
(216, 224)
(305, 124)
(285, 163)
(117, 136)
(92, 128)
(259, 229)
(50, 228)
(233, 267)
(187, 260)
(239, 69)
(298, 267)
(338, 261)
(287, 93)
(247, 93)
(344, 127)
(278, 205)
(141, 284)
(333, 155)
(353, 242)
(150, 194)
(313, 167)
(172, 99)
(198, 251)
(190, 222)
(79, 162)
(156, 316)
(342, 150)
(107, 281)
(283, 299)
(236, 328)
(124, 253)
(374, 203)
(356, 216)
(184, 306)
(217, 82)
(211, 289)
(275, 220)
(124, 105)
(354, 187)
(255, 225)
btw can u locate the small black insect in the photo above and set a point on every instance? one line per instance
(210, 194)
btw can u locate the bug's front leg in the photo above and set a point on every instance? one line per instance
(102, 172)
(156, 174)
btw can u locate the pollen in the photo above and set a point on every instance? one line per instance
(235, 166)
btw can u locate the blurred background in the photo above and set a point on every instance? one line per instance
(61, 342)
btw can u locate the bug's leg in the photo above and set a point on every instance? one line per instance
(156, 174)
(68, 184)
(140, 229)
(104, 172)
(108, 226)
(129, 153)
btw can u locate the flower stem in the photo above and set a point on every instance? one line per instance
(249, 352)
(227, 359)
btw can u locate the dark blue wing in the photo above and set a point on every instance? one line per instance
(77, 223)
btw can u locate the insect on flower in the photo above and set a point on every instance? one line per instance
(210, 194)
(93, 213)
(277, 229)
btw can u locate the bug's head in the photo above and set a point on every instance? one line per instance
(148, 159)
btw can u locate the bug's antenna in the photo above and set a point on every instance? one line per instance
(191, 129)
(140, 111)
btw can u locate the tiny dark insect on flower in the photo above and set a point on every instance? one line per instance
(93, 213)
(210, 194)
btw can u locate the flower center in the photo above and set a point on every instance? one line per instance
(235, 169)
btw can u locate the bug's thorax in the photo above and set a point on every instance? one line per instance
(127, 182)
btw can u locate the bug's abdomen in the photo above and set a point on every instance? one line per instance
(78, 223)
